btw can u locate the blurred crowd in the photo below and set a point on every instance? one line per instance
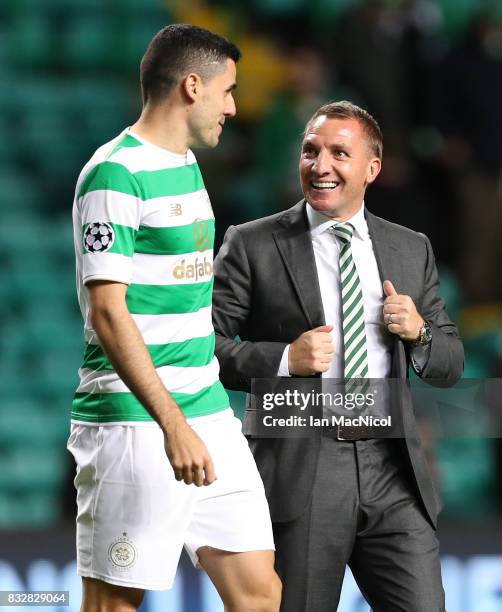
(430, 71)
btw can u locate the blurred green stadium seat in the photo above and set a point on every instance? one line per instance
(28, 510)
(87, 42)
(29, 42)
(28, 422)
(468, 477)
(17, 188)
(33, 469)
(43, 344)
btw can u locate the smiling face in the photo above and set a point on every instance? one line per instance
(336, 166)
(213, 105)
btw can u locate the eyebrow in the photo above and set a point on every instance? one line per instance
(332, 145)
(339, 145)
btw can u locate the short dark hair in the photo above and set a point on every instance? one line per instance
(177, 50)
(347, 110)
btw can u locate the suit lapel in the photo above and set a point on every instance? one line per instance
(389, 258)
(294, 243)
(386, 251)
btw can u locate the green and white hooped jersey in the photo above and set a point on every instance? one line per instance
(142, 217)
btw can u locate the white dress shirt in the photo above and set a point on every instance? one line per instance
(379, 340)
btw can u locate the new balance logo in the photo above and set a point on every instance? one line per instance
(175, 210)
(200, 269)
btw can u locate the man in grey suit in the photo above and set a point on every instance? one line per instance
(328, 289)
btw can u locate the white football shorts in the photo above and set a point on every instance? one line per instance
(134, 517)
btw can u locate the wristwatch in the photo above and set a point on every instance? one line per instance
(424, 335)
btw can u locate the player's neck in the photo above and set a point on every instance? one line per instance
(164, 127)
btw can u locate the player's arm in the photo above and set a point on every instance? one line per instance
(126, 350)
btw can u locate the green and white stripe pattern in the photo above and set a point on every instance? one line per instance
(354, 334)
(154, 205)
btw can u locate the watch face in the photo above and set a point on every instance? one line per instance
(426, 334)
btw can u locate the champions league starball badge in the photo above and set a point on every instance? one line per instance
(98, 237)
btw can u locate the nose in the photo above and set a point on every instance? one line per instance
(322, 163)
(230, 109)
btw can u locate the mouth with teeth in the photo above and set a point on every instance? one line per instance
(324, 185)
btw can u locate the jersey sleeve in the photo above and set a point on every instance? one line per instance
(110, 203)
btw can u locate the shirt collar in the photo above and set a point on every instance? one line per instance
(319, 222)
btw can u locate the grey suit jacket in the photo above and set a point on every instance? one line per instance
(267, 292)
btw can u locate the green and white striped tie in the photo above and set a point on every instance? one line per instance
(355, 354)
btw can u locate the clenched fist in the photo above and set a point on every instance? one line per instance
(311, 352)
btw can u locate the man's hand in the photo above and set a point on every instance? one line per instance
(187, 453)
(311, 352)
(400, 314)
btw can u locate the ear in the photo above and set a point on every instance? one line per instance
(191, 86)
(374, 168)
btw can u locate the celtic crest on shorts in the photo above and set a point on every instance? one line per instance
(98, 237)
(122, 553)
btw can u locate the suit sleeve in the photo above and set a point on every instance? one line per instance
(446, 360)
(240, 361)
